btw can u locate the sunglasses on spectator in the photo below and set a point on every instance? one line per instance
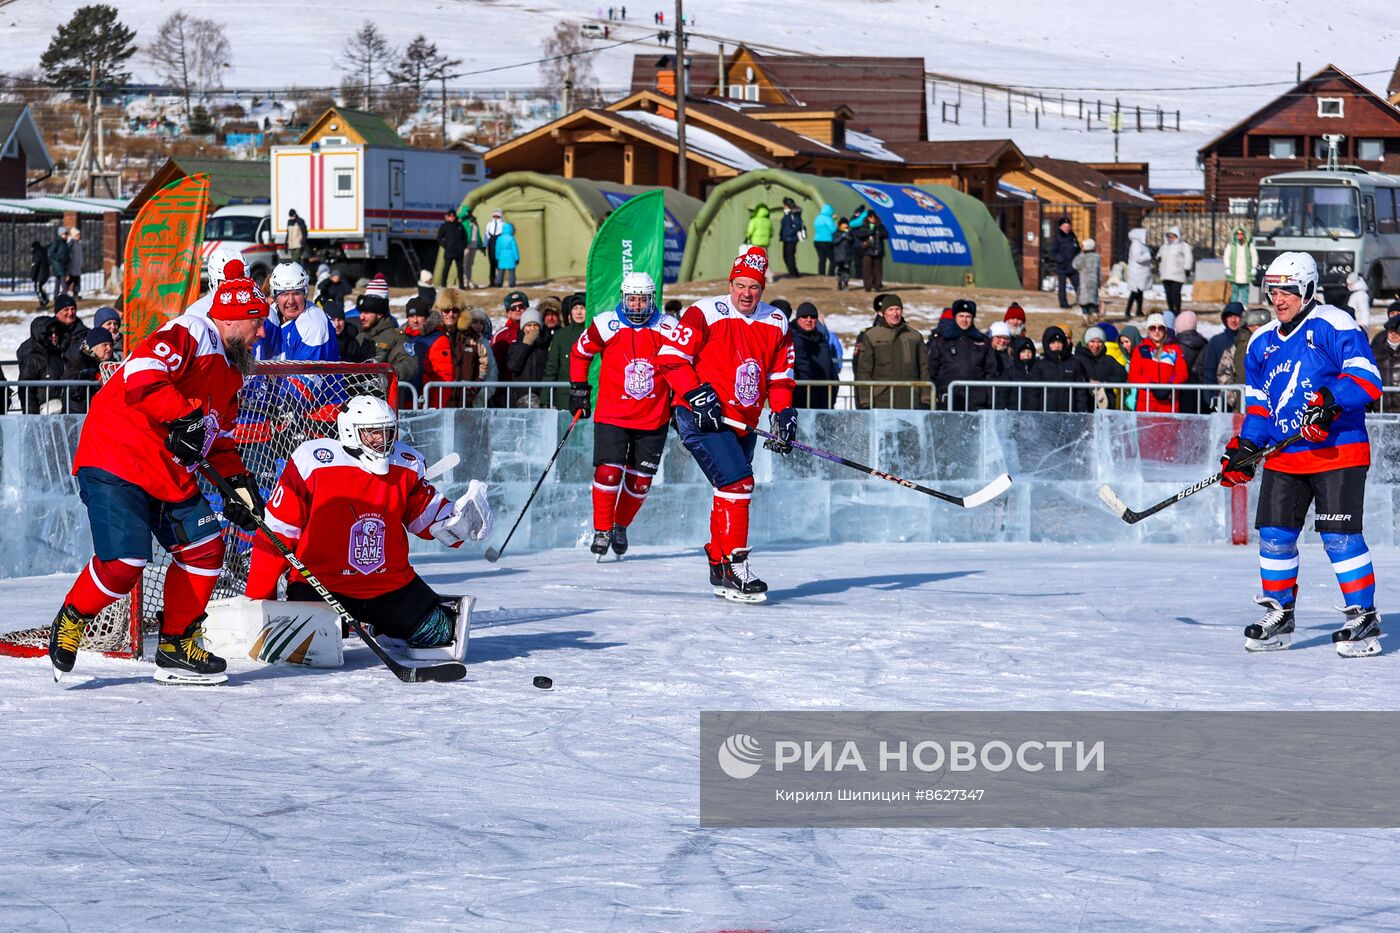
(1156, 327)
(517, 307)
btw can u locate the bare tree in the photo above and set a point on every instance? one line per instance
(189, 54)
(364, 52)
(570, 65)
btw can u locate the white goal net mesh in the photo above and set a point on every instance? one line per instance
(281, 405)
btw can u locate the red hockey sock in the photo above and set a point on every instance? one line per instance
(189, 582)
(635, 487)
(102, 583)
(729, 517)
(607, 480)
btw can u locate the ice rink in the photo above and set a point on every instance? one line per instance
(343, 799)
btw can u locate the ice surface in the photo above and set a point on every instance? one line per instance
(342, 799)
(1057, 462)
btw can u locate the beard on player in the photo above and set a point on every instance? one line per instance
(240, 355)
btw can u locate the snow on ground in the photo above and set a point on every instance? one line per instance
(1191, 55)
(343, 799)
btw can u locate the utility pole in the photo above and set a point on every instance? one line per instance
(680, 97)
(569, 84)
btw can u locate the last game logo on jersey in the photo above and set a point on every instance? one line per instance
(746, 382)
(639, 379)
(367, 544)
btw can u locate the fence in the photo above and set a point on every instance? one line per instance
(74, 396)
(966, 395)
(1205, 231)
(19, 232)
(822, 394)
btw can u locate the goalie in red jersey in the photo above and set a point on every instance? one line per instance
(346, 507)
(634, 408)
(725, 358)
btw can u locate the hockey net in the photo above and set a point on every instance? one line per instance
(282, 404)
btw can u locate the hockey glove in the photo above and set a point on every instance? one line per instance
(581, 399)
(246, 502)
(469, 519)
(704, 405)
(783, 424)
(1322, 409)
(188, 440)
(1233, 470)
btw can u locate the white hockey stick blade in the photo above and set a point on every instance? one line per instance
(1110, 499)
(987, 493)
(442, 466)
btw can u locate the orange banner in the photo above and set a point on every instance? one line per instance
(161, 275)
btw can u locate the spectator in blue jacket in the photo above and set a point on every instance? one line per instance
(507, 256)
(823, 231)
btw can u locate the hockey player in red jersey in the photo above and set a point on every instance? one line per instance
(634, 409)
(346, 506)
(724, 358)
(170, 405)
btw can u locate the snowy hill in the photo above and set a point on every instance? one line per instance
(1192, 55)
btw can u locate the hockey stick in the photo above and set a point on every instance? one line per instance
(437, 673)
(493, 554)
(442, 466)
(1119, 508)
(986, 494)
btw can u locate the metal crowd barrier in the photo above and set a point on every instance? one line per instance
(969, 395)
(47, 396)
(829, 393)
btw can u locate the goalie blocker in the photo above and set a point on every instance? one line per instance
(345, 508)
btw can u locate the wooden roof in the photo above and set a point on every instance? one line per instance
(955, 151)
(231, 181)
(17, 128)
(1095, 185)
(359, 126)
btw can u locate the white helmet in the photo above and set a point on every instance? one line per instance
(362, 414)
(288, 277)
(638, 283)
(218, 261)
(1293, 272)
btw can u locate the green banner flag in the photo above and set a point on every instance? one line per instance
(632, 239)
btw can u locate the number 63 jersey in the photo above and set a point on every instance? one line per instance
(630, 395)
(747, 358)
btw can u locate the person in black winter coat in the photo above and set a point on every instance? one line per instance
(843, 253)
(812, 359)
(527, 358)
(1022, 369)
(452, 242)
(347, 337)
(334, 291)
(790, 232)
(1194, 348)
(872, 237)
(39, 271)
(1064, 246)
(1057, 364)
(41, 357)
(957, 351)
(1099, 367)
(86, 366)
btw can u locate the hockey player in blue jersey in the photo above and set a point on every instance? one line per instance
(1310, 373)
(297, 329)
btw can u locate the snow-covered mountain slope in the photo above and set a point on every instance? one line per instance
(1191, 55)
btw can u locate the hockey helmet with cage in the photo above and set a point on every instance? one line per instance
(1292, 272)
(363, 417)
(217, 265)
(638, 284)
(288, 277)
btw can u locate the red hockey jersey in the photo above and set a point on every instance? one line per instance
(629, 394)
(747, 358)
(349, 527)
(176, 370)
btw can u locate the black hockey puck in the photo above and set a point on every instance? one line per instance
(544, 683)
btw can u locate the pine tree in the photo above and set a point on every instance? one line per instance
(92, 37)
(365, 51)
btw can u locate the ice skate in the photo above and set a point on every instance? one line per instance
(181, 661)
(736, 580)
(64, 637)
(1359, 636)
(602, 540)
(619, 540)
(1274, 632)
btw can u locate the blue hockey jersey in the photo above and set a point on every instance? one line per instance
(310, 337)
(1325, 350)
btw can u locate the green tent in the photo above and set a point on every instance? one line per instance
(938, 235)
(556, 218)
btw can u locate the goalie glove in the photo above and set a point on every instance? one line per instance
(246, 502)
(470, 518)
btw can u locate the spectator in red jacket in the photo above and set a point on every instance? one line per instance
(1158, 359)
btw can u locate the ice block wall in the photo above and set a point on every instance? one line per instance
(1057, 462)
